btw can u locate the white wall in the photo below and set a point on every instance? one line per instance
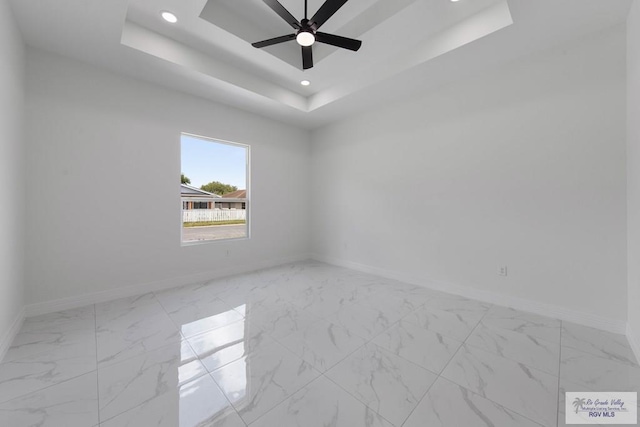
(633, 172)
(11, 173)
(523, 167)
(102, 148)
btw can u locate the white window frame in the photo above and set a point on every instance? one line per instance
(248, 198)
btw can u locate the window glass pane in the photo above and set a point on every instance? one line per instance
(213, 189)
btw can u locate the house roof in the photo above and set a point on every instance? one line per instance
(189, 191)
(238, 194)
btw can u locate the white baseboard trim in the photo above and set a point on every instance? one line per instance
(8, 337)
(543, 309)
(634, 342)
(61, 304)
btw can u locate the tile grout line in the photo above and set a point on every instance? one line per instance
(370, 341)
(485, 397)
(247, 354)
(41, 352)
(446, 335)
(188, 343)
(421, 306)
(495, 403)
(323, 374)
(462, 345)
(146, 350)
(509, 357)
(47, 387)
(21, 396)
(488, 399)
(358, 399)
(206, 372)
(397, 323)
(210, 373)
(225, 396)
(280, 403)
(420, 400)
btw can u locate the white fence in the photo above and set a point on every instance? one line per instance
(207, 215)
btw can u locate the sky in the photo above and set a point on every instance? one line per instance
(205, 160)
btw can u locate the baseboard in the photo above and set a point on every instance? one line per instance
(562, 313)
(633, 342)
(8, 337)
(53, 306)
(549, 310)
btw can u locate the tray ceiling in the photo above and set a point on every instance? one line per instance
(408, 45)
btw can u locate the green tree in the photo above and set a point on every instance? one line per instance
(219, 188)
(184, 179)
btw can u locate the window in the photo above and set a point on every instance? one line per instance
(214, 189)
(201, 205)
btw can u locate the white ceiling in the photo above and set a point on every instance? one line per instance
(408, 46)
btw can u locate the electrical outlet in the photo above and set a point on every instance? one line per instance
(502, 270)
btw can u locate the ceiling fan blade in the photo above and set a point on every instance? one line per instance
(283, 13)
(275, 40)
(326, 11)
(307, 57)
(338, 41)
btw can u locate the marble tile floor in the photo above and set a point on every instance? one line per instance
(305, 344)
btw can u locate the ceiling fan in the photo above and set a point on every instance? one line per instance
(307, 30)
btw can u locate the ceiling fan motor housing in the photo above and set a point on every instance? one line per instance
(308, 26)
(306, 35)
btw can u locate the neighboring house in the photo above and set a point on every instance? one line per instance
(195, 198)
(234, 200)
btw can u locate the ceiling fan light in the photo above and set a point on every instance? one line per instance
(305, 38)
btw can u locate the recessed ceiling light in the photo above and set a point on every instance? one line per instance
(453, 1)
(169, 17)
(305, 83)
